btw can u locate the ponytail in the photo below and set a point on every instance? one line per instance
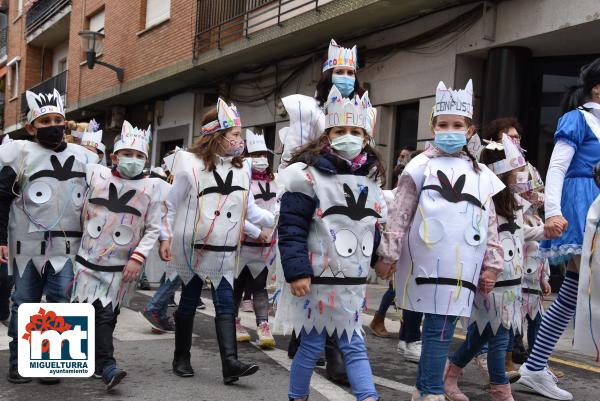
(473, 160)
(573, 98)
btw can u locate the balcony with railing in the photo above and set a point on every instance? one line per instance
(219, 22)
(58, 82)
(45, 14)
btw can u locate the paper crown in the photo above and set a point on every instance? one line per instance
(134, 138)
(255, 142)
(474, 146)
(371, 120)
(92, 136)
(228, 116)
(42, 104)
(341, 111)
(338, 56)
(457, 102)
(513, 157)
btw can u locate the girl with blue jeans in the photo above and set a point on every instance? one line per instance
(442, 234)
(329, 213)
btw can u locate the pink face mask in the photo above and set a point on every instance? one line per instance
(233, 147)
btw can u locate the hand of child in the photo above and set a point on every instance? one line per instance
(385, 270)
(265, 236)
(165, 250)
(3, 254)
(131, 271)
(487, 281)
(555, 226)
(301, 287)
(546, 289)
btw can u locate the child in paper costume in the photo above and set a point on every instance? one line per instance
(569, 193)
(328, 221)
(441, 263)
(121, 223)
(207, 206)
(42, 187)
(587, 328)
(495, 315)
(536, 269)
(307, 120)
(257, 255)
(91, 139)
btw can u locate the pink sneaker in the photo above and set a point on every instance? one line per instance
(265, 338)
(241, 334)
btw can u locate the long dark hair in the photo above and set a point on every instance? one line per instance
(310, 152)
(577, 95)
(504, 201)
(469, 124)
(324, 86)
(206, 147)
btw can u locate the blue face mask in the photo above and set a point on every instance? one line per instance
(450, 141)
(344, 83)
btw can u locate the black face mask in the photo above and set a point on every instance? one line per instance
(51, 137)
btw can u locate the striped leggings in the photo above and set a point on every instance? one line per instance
(554, 322)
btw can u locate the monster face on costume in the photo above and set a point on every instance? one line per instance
(265, 192)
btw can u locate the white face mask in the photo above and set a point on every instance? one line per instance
(260, 163)
(348, 146)
(130, 167)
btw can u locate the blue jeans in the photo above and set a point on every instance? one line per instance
(29, 289)
(533, 325)
(438, 331)
(355, 358)
(496, 356)
(160, 301)
(386, 300)
(222, 298)
(410, 330)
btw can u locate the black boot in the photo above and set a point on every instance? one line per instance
(293, 345)
(232, 368)
(519, 354)
(336, 369)
(183, 344)
(14, 376)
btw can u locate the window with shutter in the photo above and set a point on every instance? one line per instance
(157, 11)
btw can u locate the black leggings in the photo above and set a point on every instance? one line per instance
(260, 297)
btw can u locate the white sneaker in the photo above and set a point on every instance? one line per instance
(413, 351)
(401, 347)
(543, 382)
(241, 334)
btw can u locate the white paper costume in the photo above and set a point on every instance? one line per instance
(340, 241)
(121, 221)
(44, 223)
(92, 137)
(207, 210)
(256, 255)
(587, 326)
(442, 253)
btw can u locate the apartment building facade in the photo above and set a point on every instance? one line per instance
(177, 56)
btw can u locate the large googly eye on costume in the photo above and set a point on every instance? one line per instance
(95, 226)
(367, 243)
(39, 192)
(474, 237)
(78, 193)
(431, 231)
(345, 243)
(508, 245)
(122, 234)
(210, 212)
(233, 213)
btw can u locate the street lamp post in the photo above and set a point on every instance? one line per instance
(92, 41)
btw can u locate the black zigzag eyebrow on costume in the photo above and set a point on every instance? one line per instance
(117, 204)
(223, 188)
(46, 100)
(453, 193)
(355, 209)
(60, 172)
(510, 226)
(265, 193)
